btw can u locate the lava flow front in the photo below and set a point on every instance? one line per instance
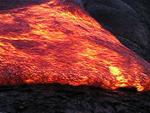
(57, 42)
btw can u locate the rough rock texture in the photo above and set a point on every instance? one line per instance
(56, 98)
(127, 19)
(68, 99)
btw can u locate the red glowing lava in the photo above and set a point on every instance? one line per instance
(57, 42)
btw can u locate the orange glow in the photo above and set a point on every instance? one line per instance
(57, 42)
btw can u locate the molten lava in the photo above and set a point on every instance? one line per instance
(57, 42)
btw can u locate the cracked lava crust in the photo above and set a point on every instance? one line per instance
(57, 42)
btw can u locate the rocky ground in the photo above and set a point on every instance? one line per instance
(129, 21)
(67, 99)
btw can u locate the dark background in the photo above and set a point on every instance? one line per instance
(129, 21)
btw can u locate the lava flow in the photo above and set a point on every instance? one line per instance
(57, 42)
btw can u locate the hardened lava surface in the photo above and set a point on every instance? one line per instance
(57, 42)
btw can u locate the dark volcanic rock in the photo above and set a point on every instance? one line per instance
(68, 99)
(9, 4)
(129, 20)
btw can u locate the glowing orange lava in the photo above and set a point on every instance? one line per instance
(57, 42)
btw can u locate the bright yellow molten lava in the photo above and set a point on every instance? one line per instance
(115, 71)
(122, 81)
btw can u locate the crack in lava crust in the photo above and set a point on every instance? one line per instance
(57, 42)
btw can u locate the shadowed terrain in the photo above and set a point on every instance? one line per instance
(68, 99)
(8, 4)
(128, 20)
